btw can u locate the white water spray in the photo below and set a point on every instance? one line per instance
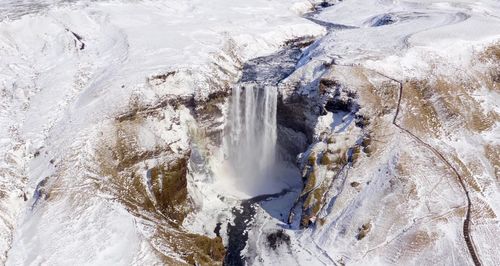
(251, 138)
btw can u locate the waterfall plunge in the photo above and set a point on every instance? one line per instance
(251, 138)
(250, 167)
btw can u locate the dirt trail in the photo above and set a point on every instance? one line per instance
(466, 226)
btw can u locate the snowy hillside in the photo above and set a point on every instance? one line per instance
(357, 132)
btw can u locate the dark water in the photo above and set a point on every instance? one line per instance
(237, 233)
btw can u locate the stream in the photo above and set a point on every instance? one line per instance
(252, 134)
(238, 233)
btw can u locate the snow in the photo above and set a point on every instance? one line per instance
(94, 233)
(57, 97)
(427, 39)
(425, 31)
(58, 103)
(302, 7)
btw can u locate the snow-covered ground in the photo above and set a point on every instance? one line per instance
(401, 192)
(68, 69)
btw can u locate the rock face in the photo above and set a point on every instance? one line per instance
(325, 162)
(334, 160)
(151, 180)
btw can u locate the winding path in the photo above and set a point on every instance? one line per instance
(466, 226)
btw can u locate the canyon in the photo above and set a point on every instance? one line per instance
(233, 133)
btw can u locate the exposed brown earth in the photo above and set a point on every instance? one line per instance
(152, 185)
(467, 220)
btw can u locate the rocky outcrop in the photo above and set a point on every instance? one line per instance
(145, 166)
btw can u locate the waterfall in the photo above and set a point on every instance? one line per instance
(249, 166)
(251, 136)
